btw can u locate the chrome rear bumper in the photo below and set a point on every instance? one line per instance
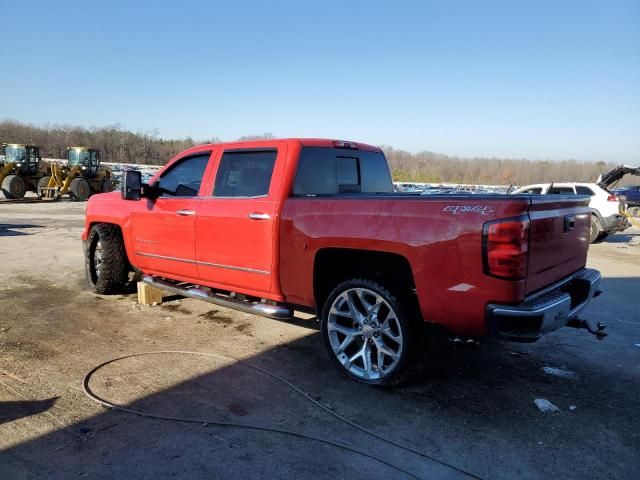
(545, 311)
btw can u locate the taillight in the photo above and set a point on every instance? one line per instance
(613, 198)
(506, 248)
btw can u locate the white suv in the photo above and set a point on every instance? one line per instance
(605, 206)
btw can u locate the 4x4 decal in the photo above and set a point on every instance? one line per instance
(457, 209)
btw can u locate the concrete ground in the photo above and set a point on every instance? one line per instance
(469, 411)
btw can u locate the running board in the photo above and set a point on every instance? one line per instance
(279, 312)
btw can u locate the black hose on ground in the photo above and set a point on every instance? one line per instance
(108, 404)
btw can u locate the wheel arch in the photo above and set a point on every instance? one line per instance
(333, 265)
(127, 247)
(596, 212)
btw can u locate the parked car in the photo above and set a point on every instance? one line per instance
(272, 225)
(605, 206)
(631, 196)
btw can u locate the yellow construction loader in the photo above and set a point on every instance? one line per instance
(21, 170)
(80, 177)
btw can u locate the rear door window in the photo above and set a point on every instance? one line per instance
(245, 173)
(533, 191)
(329, 171)
(580, 190)
(561, 191)
(184, 177)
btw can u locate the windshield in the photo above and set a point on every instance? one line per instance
(78, 157)
(15, 154)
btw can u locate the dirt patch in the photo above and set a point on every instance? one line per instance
(176, 308)
(214, 316)
(243, 328)
(28, 350)
(237, 409)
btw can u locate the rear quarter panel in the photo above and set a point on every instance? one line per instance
(441, 240)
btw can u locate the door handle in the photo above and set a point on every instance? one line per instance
(185, 213)
(259, 216)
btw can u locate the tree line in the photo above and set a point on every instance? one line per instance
(430, 167)
(116, 143)
(120, 145)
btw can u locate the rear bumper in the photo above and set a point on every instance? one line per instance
(544, 311)
(614, 223)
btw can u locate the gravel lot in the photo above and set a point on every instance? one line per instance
(470, 411)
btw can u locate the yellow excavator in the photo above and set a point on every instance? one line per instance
(80, 177)
(21, 170)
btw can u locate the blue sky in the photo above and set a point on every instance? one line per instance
(536, 79)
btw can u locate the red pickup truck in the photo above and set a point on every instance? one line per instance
(269, 226)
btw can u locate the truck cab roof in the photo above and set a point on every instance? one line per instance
(305, 142)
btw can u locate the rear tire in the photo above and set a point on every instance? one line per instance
(42, 183)
(106, 264)
(634, 211)
(13, 187)
(79, 190)
(596, 229)
(369, 333)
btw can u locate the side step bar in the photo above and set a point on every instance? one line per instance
(279, 312)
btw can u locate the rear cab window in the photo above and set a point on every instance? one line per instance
(331, 171)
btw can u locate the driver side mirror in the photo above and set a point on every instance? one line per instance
(131, 185)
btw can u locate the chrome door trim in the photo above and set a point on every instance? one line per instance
(164, 257)
(204, 264)
(259, 216)
(233, 267)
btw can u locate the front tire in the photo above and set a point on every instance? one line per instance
(13, 187)
(106, 264)
(368, 332)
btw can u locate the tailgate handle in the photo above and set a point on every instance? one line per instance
(569, 223)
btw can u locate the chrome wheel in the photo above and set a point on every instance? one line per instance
(97, 258)
(364, 333)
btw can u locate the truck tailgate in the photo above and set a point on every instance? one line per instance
(559, 238)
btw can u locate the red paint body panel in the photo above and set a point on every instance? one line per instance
(554, 252)
(274, 257)
(444, 251)
(158, 231)
(227, 237)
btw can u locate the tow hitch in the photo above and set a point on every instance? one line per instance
(598, 329)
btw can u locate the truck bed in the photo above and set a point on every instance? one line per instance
(441, 238)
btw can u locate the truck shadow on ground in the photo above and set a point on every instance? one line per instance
(13, 230)
(10, 411)
(472, 409)
(483, 397)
